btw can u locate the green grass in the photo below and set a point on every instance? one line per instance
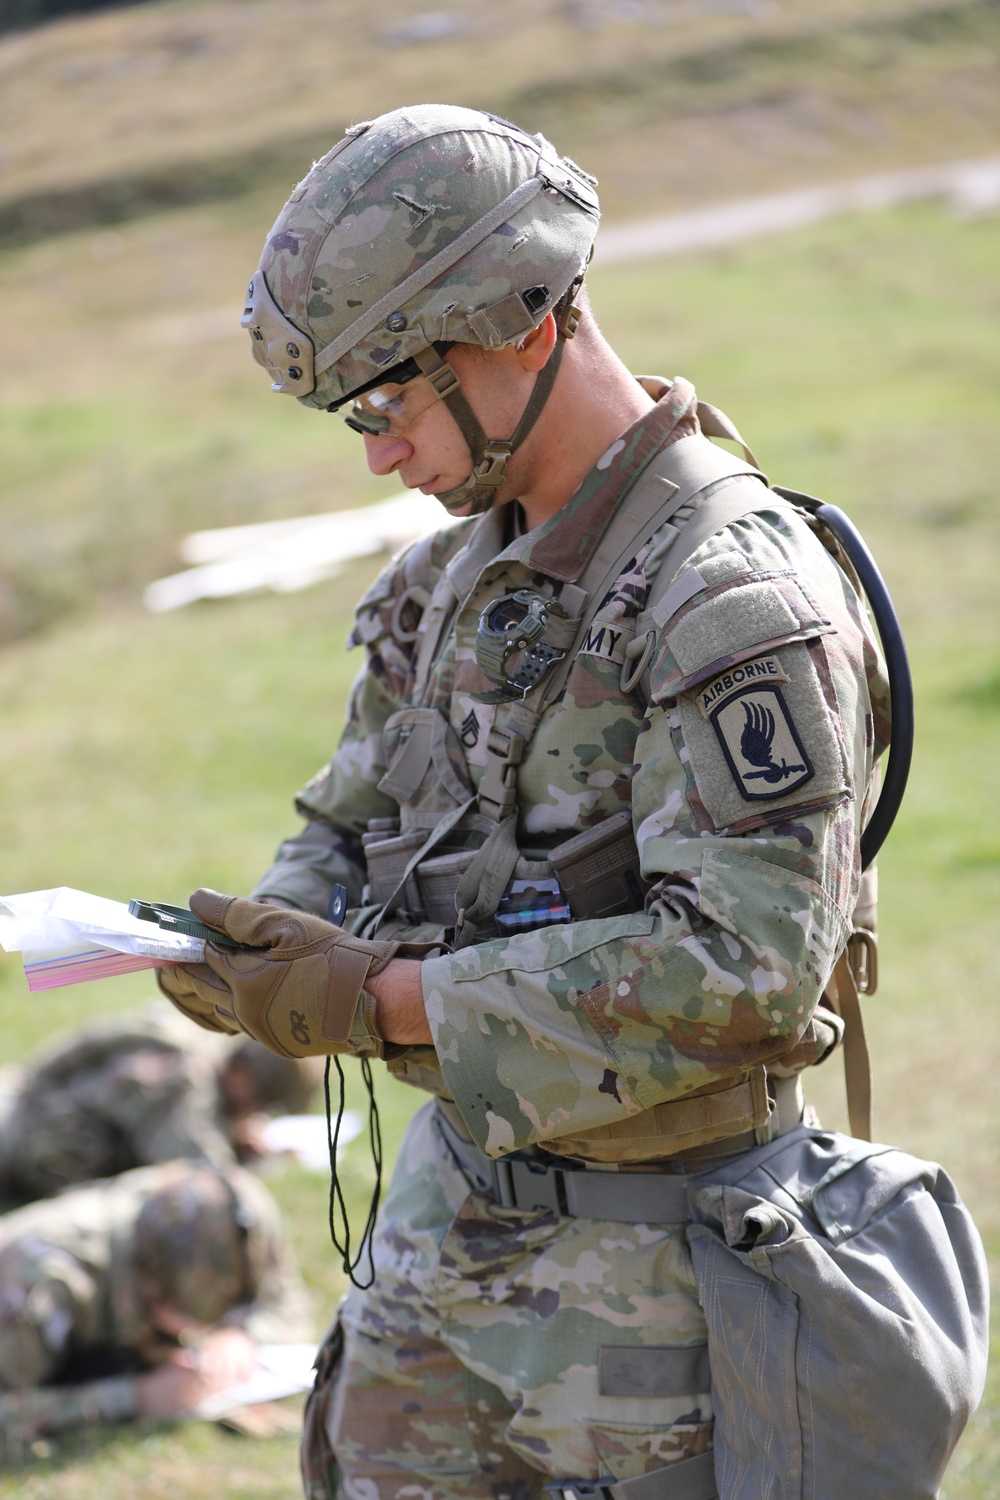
(129, 414)
(195, 100)
(144, 755)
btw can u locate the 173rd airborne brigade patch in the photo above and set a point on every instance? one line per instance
(747, 709)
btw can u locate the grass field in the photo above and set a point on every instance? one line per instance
(145, 755)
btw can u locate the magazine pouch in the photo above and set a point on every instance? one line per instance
(845, 1289)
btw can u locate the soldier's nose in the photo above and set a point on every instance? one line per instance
(385, 452)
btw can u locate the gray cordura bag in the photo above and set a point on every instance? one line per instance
(846, 1292)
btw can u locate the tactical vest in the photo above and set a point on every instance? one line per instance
(451, 869)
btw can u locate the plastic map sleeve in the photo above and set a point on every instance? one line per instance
(67, 937)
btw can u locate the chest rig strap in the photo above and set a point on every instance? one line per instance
(506, 743)
(672, 481)
(654, 497)
(484, 882)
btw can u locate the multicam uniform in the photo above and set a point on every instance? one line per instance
(114, 1095)
(501, 1346)
(610, 1252)
(74, 1326)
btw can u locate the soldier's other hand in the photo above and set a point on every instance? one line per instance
(224, 1357)
(199, 994)
(303, 992)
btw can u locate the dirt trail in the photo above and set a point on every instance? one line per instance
(973, 187)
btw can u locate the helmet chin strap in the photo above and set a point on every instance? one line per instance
(490, 455)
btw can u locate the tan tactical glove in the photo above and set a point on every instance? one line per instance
(303, 993)
(200, 995)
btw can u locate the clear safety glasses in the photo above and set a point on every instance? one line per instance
(389, 410)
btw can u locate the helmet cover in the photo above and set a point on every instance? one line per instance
(432, 223)
(202, 1242)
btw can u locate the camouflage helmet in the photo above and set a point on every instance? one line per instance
(428, 226)
(205, 1241)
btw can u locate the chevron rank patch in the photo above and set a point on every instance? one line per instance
(761, 744)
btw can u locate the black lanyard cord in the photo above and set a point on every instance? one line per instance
(337, 1208)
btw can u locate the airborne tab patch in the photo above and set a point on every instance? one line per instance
(760, 743)
(762, 669)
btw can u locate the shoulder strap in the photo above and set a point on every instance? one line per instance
(671, 480)
(719, 507)
(433, 624)
(843, 992)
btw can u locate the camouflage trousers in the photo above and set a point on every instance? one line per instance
(498, 1349)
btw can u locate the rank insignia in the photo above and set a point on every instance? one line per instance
(470, 730)
(761, 744)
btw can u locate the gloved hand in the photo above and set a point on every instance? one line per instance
(303, 993)
(200, 995)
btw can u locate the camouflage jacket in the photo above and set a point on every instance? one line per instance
(747, 758)
(73, 1327)
(116, 1094)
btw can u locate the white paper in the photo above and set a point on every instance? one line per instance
(304, 1136)
(59, 920)
(284, 1370)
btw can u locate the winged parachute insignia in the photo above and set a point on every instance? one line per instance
(761, 743)
(756, 742)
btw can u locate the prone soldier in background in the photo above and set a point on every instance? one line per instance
(139, 1296)
(129, 1091)
(617, 1258)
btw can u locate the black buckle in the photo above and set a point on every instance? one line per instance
(525, 1184)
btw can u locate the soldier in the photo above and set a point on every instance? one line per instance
(129, 1091)
(138, 1296)
(597, 807)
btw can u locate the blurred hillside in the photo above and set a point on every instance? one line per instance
(670, 102)
(144, 151)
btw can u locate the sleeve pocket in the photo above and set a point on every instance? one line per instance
(743, 619)
(756, 705)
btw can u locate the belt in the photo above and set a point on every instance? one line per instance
(688, 1479)
(530, 1182)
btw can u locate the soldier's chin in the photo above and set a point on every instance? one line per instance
(456, 505)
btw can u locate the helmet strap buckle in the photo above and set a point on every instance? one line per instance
(437, 371)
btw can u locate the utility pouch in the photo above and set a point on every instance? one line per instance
(387, 856)
(438, 879)
(532, 898)
(599, 869)
(427, 773)
(593, 874)
(854, 1274)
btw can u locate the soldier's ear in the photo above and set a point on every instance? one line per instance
(533, 350)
